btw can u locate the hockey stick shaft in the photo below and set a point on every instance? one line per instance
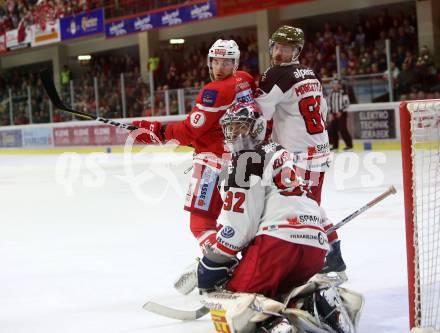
(379, 198)
(49, 86)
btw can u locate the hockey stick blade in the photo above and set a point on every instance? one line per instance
(166, 311)
(49, 86)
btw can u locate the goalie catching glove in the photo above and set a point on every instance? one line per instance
(149, 131)
(214, 270)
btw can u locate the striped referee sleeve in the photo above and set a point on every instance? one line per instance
(338, 101)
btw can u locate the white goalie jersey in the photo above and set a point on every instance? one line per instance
(292, 96)
(263, 195)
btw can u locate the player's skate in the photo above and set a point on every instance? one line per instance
(331, 311)
(334, 267)
(187, 281)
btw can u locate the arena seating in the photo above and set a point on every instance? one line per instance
(362, 53)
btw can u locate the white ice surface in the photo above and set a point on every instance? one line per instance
(85, 257)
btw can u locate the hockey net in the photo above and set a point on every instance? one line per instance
(420, 135)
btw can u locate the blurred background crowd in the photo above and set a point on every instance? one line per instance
(362, 56)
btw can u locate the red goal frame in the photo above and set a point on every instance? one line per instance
(415, 314)
(406, 143)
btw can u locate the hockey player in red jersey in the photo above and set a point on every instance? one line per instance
(270, 215)
(201, 129)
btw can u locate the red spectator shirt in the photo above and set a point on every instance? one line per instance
(201, 128)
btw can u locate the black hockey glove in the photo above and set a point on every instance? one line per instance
(214, 270)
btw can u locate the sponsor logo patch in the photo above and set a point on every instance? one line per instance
(209, 97)
(321, 239)
(302, 73)
(227, 232)
(244, 96)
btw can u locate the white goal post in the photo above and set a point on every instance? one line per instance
(420, 138)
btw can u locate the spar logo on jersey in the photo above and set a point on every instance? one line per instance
(209, 97)
(302, 73)
(324, 148)
(227, 232)
(197, 119)
(310, 220)
(293, 220)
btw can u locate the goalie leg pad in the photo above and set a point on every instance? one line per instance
(302, 309)
(241, 311)
(330, 309)
(353, 303)
(277, 325)
(303, 321)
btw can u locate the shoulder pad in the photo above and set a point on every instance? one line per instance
(277, 75)
(285, 77)
(244, 75)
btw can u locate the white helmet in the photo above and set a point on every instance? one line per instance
(224, 49)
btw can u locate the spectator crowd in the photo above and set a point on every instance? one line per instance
(362, 53)
(17, 14)
(21, 13)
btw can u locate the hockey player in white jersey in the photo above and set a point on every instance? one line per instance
(291, 95)
(269, 215)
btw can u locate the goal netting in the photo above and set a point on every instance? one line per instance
(420, 135)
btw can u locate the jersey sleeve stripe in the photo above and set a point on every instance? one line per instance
(209, 109)
(225, 250)
(282, 226)
(210, 161)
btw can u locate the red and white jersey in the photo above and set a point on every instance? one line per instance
(263, 195)
(201, 128)
(292, 96)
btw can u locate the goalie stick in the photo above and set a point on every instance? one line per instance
(174, 313)
(49, 86)
(379, 198)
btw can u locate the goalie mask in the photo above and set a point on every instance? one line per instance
(224, 49)
(285, 45)
(243, 127)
